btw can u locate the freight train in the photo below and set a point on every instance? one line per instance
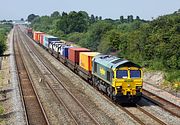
(119, 78)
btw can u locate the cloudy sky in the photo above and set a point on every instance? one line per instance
(146, 9)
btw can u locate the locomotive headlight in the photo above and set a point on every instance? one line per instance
(119, 87)
(128, 85)
(138, 87)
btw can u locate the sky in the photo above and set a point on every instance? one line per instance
(145, 9)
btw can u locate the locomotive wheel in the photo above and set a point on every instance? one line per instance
(111, 93)
(99, 87)
(94, 82)
(108, 91)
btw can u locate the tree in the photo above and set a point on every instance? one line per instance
(55, 14)
(110, 41)
(64, 14)
(137, 18)
(179, 10)
(73, 22)
(92, 38)
(22, 19)
(122, 19)
(62, 24)
(84, 14)
(4, 29)
(31, 17)
(130, 18)
(2, 43)
(77, 22)
(92, 19)
(100, 17)
(96, 18)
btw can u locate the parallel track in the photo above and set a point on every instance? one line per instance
(131, 115)
(34, 111)
(88, 118)
(136, 118)
(166, 105)
(150, 115)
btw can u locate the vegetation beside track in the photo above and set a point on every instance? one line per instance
(153, 44)
(4, 29)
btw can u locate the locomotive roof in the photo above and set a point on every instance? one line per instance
(113, 61)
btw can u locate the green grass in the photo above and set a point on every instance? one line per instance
(1, 110)
(173, 76)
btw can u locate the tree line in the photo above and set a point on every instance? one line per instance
(153, 44)
(4, 29)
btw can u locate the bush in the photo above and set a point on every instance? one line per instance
(173, 76)
(4, 29)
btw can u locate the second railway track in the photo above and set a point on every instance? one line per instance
(34, 111)
(166, 105)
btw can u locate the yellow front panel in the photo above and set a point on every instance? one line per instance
(128, 84)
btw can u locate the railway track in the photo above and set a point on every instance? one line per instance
(76, 110)
(34, 112)
(134, 111)
(166, 105)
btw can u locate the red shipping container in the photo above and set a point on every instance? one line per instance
(36, 36)
(39, 35)
(73, 54)
(41, 39)
(29, 30)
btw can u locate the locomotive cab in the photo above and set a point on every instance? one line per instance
(128, 81)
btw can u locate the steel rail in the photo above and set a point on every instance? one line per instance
(30, 97)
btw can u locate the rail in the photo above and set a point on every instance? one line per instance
(34, 110)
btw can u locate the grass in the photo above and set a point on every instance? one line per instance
(173, 76)
(1, 109)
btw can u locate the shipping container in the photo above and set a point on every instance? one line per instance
(39, 36)
(65, 51)
(36, 36)
(52, 44)
(57, 46)
(47, 39)
(41, 39)
(85, 60)
(73, 54)
(29, 32)
(61, 49)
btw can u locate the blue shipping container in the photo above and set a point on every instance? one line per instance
(65, 51)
